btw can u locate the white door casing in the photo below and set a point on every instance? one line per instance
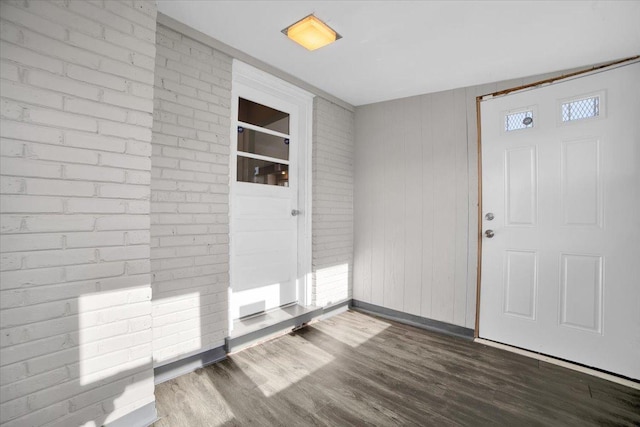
(561, 276)
(270, 249)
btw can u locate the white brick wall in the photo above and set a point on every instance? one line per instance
(189, 197)
(333, 145)
(77, 98)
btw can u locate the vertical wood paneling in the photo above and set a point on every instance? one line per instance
(377, 147)
(444, 209)
(462, 206)
(428, 201)
(413, 205)
(393, 169)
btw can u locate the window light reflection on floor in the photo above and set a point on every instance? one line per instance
(281, 374)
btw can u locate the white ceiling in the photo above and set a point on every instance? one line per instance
(394, 49)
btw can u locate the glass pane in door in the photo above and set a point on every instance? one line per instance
(251, 141)
(263, 116)
(262, 172)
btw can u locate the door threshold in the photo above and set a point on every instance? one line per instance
(260, 327)
(563, 363)
(244, 319)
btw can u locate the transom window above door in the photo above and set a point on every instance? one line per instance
(263, 144)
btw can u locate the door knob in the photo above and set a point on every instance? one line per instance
(489, 233)
(489, 216)
(295, 212)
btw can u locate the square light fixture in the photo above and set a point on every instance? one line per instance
(311, 33)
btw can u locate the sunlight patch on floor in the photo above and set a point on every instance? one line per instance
(357, 335)
(275, 374)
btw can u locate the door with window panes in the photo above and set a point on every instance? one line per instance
(561, 224)
(263, 204)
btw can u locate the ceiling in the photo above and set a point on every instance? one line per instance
(395, 49)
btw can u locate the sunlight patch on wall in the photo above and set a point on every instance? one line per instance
(178, 325)
(114, 333)
(331, 284)
(139, 392)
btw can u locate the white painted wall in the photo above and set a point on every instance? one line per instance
(77, 100)
(189, 197)
(416, 198)
(332, 223)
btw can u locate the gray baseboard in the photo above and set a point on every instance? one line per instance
(333, 309)
(413, 320)
(141, 417)
(188, 364)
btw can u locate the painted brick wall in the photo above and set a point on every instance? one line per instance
(77, 100)
(333, 148)
(189, 197)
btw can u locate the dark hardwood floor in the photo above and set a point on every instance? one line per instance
(355, 369)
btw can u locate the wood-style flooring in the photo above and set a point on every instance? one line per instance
(356, 369)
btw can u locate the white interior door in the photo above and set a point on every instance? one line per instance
(265, 203)
(561, 274)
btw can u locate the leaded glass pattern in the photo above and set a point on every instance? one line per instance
(519, 120)
(581, 109)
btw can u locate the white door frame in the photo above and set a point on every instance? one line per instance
(251, 77)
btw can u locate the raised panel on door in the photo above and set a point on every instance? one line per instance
(581, 288)
(521, 186)
(581, 183)
(520, 284)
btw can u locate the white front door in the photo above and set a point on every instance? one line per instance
(265, 208)
(561, 180)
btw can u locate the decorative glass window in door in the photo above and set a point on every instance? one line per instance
(263, 144)
(518, 120)
(579, 109)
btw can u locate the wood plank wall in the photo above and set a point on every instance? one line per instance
(415, 203)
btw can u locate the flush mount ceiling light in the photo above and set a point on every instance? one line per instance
(311, 33)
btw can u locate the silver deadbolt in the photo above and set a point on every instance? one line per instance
(489, 233)
(489, 216)
(295, 212)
